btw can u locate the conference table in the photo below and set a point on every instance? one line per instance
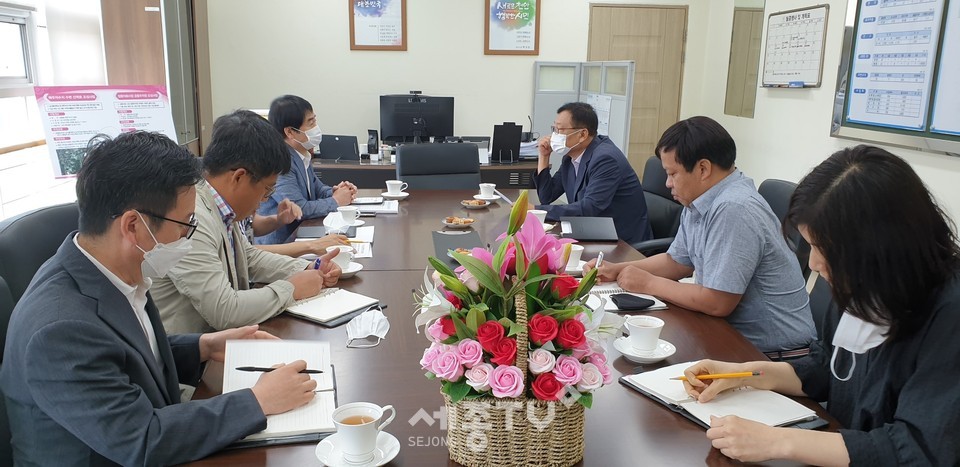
(622, 428)
(371, 174)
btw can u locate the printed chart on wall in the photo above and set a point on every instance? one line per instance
(946, 118)
(512, 27)
(794, 50)
(894, 55)
(378, 25)
(72, 115)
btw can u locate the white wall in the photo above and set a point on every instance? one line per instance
(258, 53)
(76, 43)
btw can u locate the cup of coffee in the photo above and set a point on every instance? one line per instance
(540, 214)
(358, 425)
(575, 252)
(395, 187)
(644, 332)
(344, 257)
(486, 189)
(348, 213)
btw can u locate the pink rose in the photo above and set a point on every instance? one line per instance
(569, 371)
(470, 352)
(471, 282)
(435, 331)
(447, 365)
(541, 361)
(588, 348)
(430, 355)
(592, 378)
(506, 381)
(478, 377)
(599, 359)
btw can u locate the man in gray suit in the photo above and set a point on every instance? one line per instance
(89, 376)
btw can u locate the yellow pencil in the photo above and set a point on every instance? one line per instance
(743, 374)
(353, 240)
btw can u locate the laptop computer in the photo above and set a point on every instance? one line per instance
(339, 147)
(589, 229)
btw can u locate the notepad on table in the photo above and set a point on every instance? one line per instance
(315, 418)
(331, 304)
(384, 207)
(610, 288)
(760, 405)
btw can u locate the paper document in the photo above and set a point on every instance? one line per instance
(610, 288)
(362, 250)
(386, 207)
(331, 304)
(364, 234)
(316, 416)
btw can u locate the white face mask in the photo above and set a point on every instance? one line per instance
(558, 142)
(164, 256)
(856, 336)
(314, 136)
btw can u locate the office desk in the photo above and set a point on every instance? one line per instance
(622, 428)
(373, 174)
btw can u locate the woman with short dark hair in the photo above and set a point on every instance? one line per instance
(889, 358)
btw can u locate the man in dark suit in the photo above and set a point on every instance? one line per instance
(594, 174)
(89, 376)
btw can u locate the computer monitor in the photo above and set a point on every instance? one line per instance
(407, 118)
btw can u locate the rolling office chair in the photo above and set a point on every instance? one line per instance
(777, 193)
(448, 166)
(821, 303)
(6, 309)
(663, 212)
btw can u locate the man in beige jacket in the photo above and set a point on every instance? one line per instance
(209, 289)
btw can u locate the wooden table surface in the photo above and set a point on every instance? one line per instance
(622, 428)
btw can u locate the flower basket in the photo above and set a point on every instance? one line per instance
(491, 431)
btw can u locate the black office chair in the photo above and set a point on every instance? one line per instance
(31, 238)
(821, 303)
(662, 211)
(777, 193)
(448, 166)
(339, 147)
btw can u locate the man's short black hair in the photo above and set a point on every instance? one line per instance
(139, 170)
(699, 138)
(582, 115)
(288, 111)
(243, 139)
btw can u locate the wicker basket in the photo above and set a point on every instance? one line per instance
(490, 431)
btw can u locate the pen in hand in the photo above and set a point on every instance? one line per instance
(267, 370)
(743, 374)
(599, 260)
(316, 263)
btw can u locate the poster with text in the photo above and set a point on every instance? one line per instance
(72, 115)
(512, 28)
(378, 24)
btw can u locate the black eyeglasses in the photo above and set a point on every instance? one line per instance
(191, 224)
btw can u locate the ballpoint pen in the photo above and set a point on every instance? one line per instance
(599, 260)
(267, 370)
(742, 374)
(316, 263)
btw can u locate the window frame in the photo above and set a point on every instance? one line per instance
(23, 17)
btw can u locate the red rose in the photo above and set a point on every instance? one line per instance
(489, 333)
(570, 335)
(563, 286)
(504, 352)
(453, 299)
(542, 328)
(448, 328)
(546, 387)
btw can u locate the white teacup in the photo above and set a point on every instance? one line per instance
(358, 425)
(575, 252)
(395, 187)
(644, 332)
(348, 213)
(540, 214)
(343, 258)
(486, 189)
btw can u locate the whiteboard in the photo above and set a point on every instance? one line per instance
(794, 47)
(946, 119)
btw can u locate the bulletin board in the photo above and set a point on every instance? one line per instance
(794, 47)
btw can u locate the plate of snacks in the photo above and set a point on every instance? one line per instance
(454, 222)
(474, 203)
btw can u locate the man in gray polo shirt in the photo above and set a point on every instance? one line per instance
(730, 240)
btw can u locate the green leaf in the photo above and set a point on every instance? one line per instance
(457, 391)
(475, 318)
(441, 267)
(507, 323)
(586, 400)
(519, 213)
(454, 285)
(514, 329)
(463, 331)
(430, 375)
(589, 279)
(480, 270)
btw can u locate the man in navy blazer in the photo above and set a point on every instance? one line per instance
(294, 118)
(596, 177)
(89, 376)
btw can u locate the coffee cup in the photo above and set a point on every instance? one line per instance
(575, 252)
(348, 213)
(486, 189)
(358, 425)
(344, 257)
(644, 332)
(395, 187)
(540, 214)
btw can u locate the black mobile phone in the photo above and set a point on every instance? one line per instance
(814, 424)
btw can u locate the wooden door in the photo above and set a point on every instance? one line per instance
(744, 66)
(133, 42)
(654, 38)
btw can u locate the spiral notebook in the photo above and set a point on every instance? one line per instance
(332, 306)
(610, 288)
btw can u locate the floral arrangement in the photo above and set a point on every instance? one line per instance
(470, 319)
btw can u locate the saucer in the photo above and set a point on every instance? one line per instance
(401, 195)
(475, 206)
(664, 349)
(486, 198)
(548, 227)
(352, 269)
(335, 220)
(577, 270)
(328, 451)
(451, 225)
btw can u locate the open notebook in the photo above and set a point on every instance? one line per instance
(331, 306)
(610, 288)
(759, 405)
(307, 423)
